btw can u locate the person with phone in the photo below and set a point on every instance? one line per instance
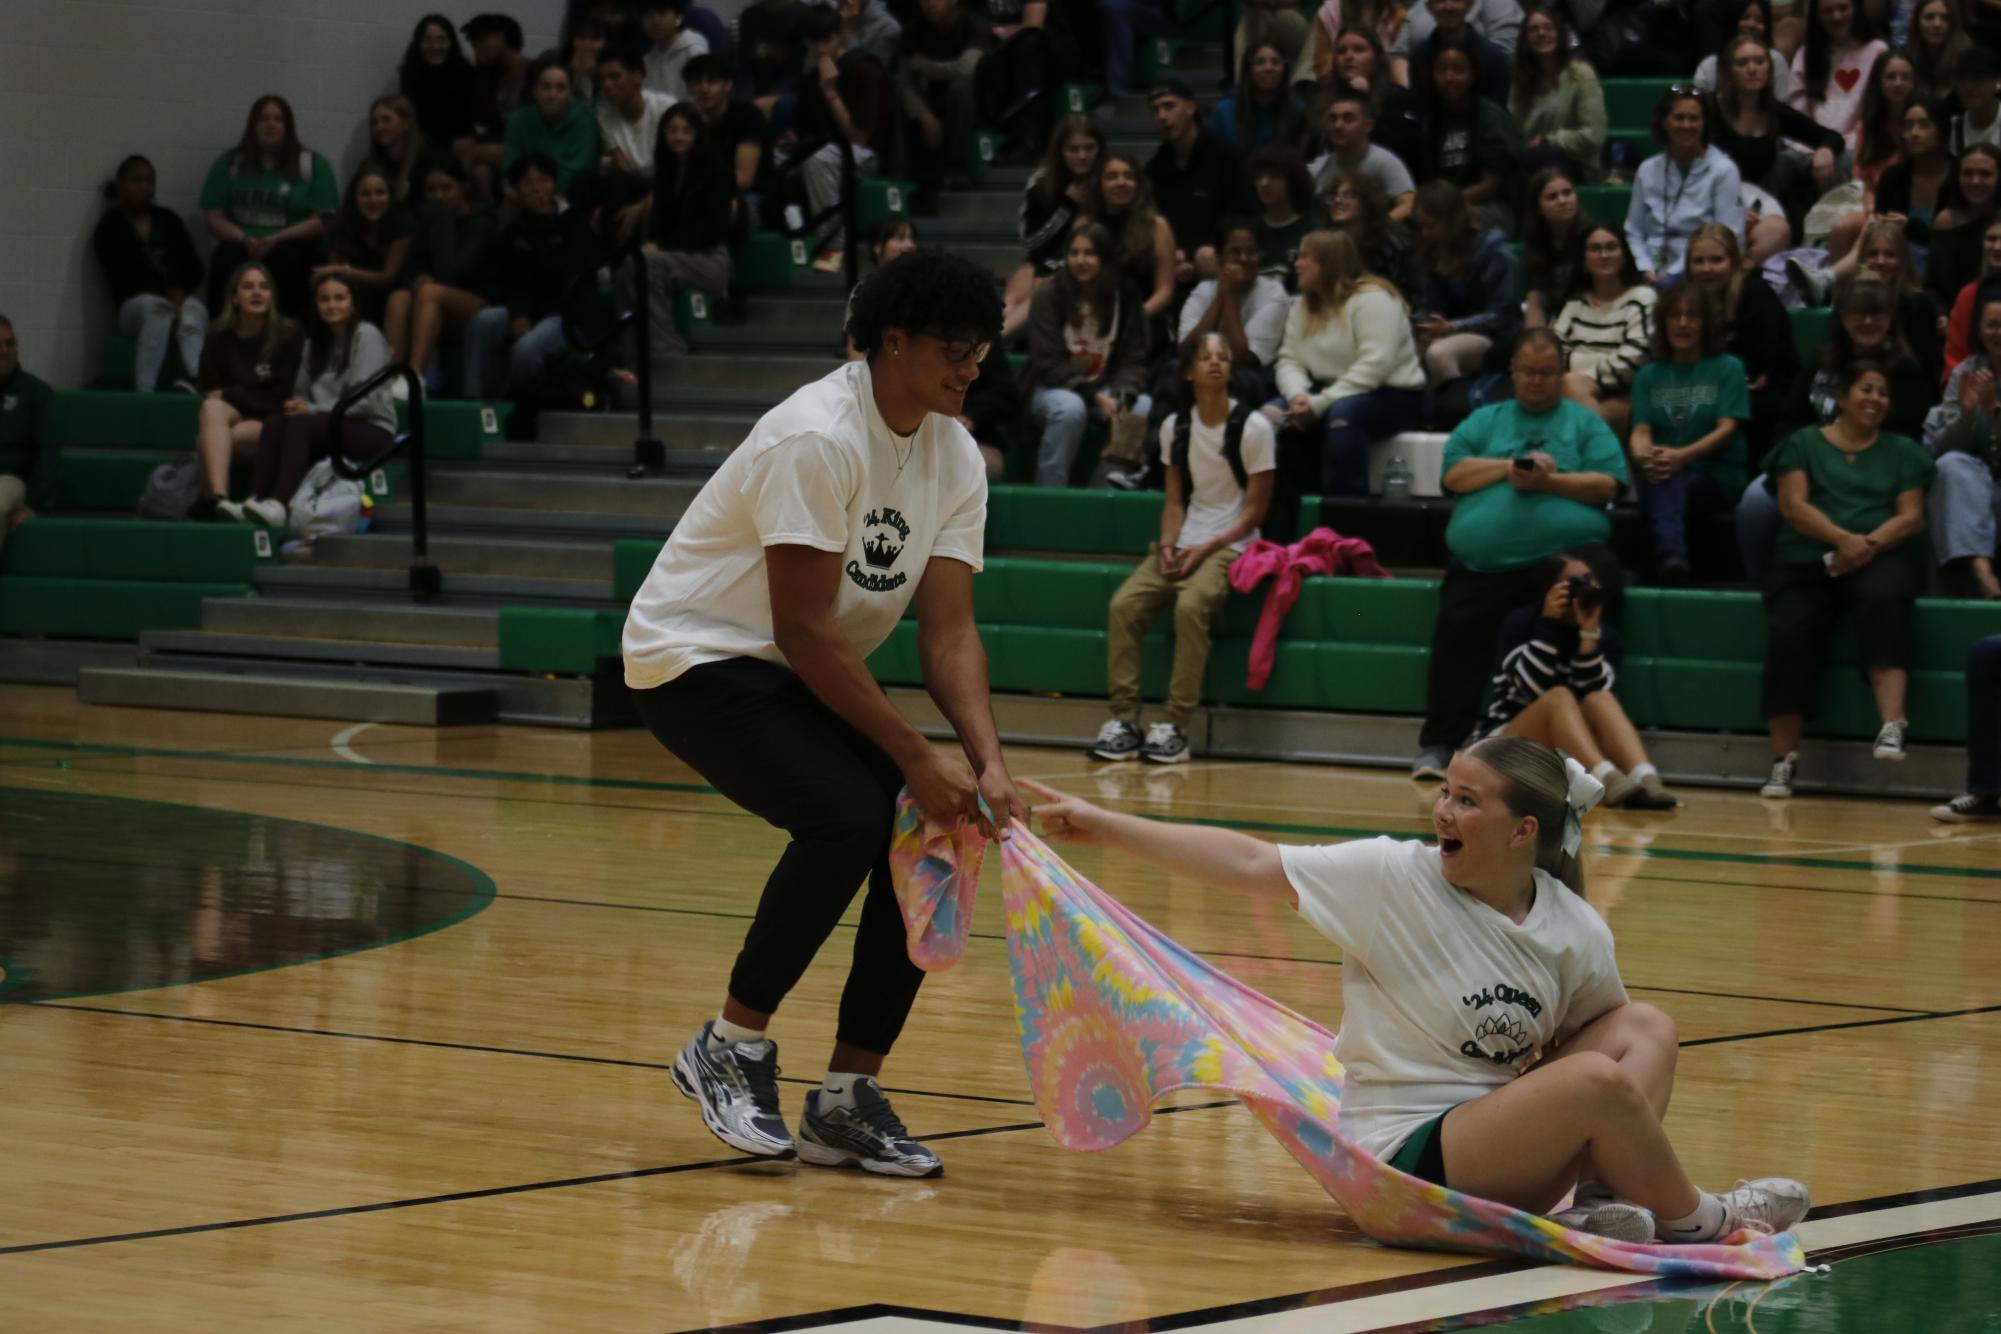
(1558, 664)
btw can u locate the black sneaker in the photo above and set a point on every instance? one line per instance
(1779, 783)
(737, 1088)
(1165, 744)
(1967, 808)
(868, 1136)
(1117, 740)
(1890, 741)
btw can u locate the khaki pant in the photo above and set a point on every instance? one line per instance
(1138, 604)
(13, 495)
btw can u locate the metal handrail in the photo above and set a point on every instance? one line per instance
(426, 580)
(648, 451)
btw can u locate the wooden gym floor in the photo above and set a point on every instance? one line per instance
(367, 1027)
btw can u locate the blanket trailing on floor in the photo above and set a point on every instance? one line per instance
(1114, 1016)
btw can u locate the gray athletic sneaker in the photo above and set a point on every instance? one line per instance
(868, 1136)
(737, 1088)
(1609, 1218)
(1769, 1204)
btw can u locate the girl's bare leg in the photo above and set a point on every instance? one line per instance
(1557, 720)
(1613, 730)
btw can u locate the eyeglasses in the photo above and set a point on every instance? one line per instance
(956, 350)
(1604, 248)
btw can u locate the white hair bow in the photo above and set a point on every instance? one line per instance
(1585, 792)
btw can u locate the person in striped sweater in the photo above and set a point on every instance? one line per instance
(1606, 327)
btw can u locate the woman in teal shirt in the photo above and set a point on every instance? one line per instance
(1688, 404)
(554, 123)
(1850, 495)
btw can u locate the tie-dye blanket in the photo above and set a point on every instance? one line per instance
(1114, 1016)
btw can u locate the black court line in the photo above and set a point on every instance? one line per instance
(1833, 1028)
(524, 1188)
(576, 1057)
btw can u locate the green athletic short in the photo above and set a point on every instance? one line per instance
(1423, 1154)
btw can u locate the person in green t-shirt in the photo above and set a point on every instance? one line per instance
(1533, 477)
(267, 199)
(1850, 495)
(1688, 405)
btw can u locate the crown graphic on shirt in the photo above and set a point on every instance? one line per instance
(880, 552)
(1501, 1026)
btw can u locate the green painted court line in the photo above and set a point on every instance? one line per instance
(1805, 860)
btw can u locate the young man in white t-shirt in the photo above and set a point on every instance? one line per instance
(1219, 481)
(1488, 1042)
(744, 650)
(629, 123)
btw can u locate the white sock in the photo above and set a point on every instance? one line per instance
(1641, 772)
(1705, 1224)
(726, 1034)
(1604, 770)
(838, 1090)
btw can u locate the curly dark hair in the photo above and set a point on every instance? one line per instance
(929, 290)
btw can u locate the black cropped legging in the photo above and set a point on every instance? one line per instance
(1801, 602)
(292, 444)
(765, 741)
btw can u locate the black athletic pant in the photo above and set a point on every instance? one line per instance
(1471, 606)
(765, 741)
(1801, 604)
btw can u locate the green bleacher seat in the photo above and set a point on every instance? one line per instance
(1605, 203)
(763, 261)
(118, 360)
(879, 197)
(104, 479)
(131, 549)
(559, 641)
(1629, 103)
(126, 420)
(1810, 325)
(103, 608)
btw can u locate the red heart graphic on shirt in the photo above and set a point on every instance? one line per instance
(1848, 78)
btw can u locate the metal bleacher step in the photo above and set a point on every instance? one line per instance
(344, 698)
(585, 561)
(313, 580)
(346, 651)
(739, 340)
(776, 374)
(782, 310)
(989, 230)
(512, 522)
(611, 493)
(336, 617)
(995, 207)
(682, 431)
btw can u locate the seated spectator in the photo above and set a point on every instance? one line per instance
(1879, 139)
(1469, 141)
(342, 351)
(579, 54)
(1552, 245)
(1220, 460)
(1284, 193)
(770, 50)
(940, 51)
(1884, 252)
(154, 274)
(1087, 349)
(1559, 664)
(369, 243)
(1976, 84)
(1914, 186)
(500, 87)
(1120, 23)
(1380, 22)
(1964, 434)
(437, 79)
(992, 410)
(1469, 293)
(1429, 19)
(1865, 326)
(399, 150)
(1355, 205)
(694, 217)
(1534, 476)
(1245, 307)
(30, 439)
(628, 112)
(867, 25)
(890, 237)
(737, 129)
(1765, 137)
(545, 258)
(1037, 52)
(1195, 177)
(1959, 335)
(248, 366)
(1346, 123)
(1557, 100)
(1143, 247)
(844, 102)
(1754, 20)
(1982, 799)
(1058, 194)
(1262, 111)
(1280, 23)
(267, 199)
(670, 45)
(1690, 404)
(1757, 331)
(454, 270)
(1935, 46)
(1831, 70)
(553, 125)
(1958, 229)
(1851, 493)
(1693, 182)
(1347, 369)
(1607, 327)
(1361, 65)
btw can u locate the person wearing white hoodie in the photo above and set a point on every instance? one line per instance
(1348, 362)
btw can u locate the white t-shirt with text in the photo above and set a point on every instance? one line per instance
(1215, 499)
(820, 470)
(1444, 999)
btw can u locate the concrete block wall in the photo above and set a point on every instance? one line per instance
(85, 82)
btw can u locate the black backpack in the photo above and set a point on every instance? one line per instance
(1281, 514)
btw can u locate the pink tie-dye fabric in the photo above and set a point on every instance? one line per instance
(1114, 1016)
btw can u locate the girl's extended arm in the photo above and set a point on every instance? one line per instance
(1220, 857)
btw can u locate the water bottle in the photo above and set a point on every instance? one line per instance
(1396, 478)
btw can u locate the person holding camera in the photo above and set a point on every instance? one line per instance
(1559, 661)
